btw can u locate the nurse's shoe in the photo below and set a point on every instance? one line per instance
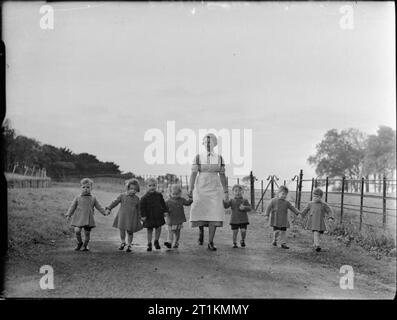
(211, 246)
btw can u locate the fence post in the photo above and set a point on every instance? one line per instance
(252, 187)
(261, 195)
(272, 187)
(285, 182)
(342, 198)
(300, 188)
(311, 191)
(238, 181)
(326, 189)
(384, 202)
(361, 202)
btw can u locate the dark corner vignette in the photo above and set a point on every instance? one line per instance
(3, 185)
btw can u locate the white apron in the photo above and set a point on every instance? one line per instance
(208, 192)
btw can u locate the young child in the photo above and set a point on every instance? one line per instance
(176, 215)
(318, 210)
(128, 218)
(152, 211)
(278, 210)
(82, 210)
(239, 218)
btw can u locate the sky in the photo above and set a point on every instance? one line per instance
(109, 73)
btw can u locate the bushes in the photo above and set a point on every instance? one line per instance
(371, 238)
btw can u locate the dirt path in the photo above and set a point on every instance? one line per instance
(257, 271)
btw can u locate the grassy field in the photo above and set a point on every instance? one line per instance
(36, 216)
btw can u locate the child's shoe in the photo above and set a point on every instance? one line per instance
(318, 249)
(78, 247)
(85, 245)
(167, 244)
(284, 246)
(149, 247)
(242, 243)
(122, 246)
(274, 243)
(129, 248)
(235, 245)
(157, 244)
(176, 245)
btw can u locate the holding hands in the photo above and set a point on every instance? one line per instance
(190, 194)
(107, 211)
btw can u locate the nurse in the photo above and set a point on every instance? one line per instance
(208, 188)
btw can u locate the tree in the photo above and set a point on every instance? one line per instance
(380, 156)
(340, 154)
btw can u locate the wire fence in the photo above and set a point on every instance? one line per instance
(363, 202)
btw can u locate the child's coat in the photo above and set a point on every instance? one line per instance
(238, 216)
(176, 212)
(153, 208)
(128, 217)
(82, 210)
(317, 213)
(278, 210)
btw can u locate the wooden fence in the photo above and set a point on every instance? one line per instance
(21, 181)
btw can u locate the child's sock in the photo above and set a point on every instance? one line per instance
(177, 235)
(275, 234)
(79, 238)
(283, 237)
(316, 238)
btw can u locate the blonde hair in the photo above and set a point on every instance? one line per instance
(132, 182)
(151, 180)
(238, 186)
(174, 188)
(86, 181)
(283, 189)
(318, 192)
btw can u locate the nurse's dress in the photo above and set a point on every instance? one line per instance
(207, 207)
